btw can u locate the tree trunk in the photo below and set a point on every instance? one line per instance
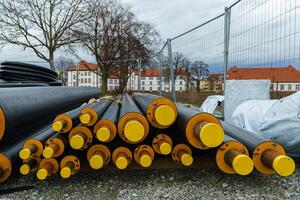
(104, 78)
(51, 60)
(198, 85)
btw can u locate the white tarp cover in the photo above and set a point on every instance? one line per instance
(210, 104)
(239, 91)
(278, 120)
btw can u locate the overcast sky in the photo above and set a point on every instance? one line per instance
(172, 17)
(169, 17)
(263, 33)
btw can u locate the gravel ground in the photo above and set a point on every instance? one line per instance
(157, 184)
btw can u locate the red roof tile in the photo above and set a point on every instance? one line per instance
(154, 72)
(83, 66)
(280, 75)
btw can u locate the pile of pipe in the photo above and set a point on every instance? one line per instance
(17, 74)
(119, 132)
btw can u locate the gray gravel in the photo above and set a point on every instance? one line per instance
(158, 184)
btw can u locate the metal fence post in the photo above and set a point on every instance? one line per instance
(139, 74)
(227, 19)
(170, 55)
(160, 73)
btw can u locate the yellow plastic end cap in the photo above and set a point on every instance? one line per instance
(24, 153)
(57, 126)
(284, 165)
(42, 174)
(85, 118)
(242, 164)
(165, 148)
(25, 169)
(134, 131)
(65, 172)
(211, 135)
(145, 161)
(121, 162)
(48, 152)
(96, 162)
(76, 142)
(187, 159)
(165, 115)
(103, 134)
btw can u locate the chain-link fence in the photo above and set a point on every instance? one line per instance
(252, 39)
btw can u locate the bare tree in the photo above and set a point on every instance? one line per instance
(199, 70)
(61, 66)
(40, 25)
(113, 33)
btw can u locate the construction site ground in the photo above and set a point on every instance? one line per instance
(204, 183)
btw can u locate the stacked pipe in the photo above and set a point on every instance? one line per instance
(127, 132)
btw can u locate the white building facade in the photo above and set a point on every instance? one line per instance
(150, 80)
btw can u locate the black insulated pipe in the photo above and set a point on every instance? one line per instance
(36, 106)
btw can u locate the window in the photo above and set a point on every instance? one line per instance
(110, 88)
(150, 82)
(272, 87)
(143, 88)
(110, 81)
(89, 73)
(290, 87)
(85, 80)
(74, 76)
(85, 73)
(81, 80)
(281, 87)
(158, 88)
(180, 89)
(143, 82)
(89, 80)
(180, 83)
(116, 81)
(298, 87)
(150, 89)
(150, 78)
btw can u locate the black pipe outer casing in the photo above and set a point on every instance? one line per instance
(26, 109)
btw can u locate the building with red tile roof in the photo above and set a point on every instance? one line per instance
(282, 78)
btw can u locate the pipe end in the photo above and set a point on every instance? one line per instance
(165, 148)
(121, 162)
(284, 165)
(134, 131)
(48, 152)
(85, 118)
(57, 126)
(211, 135)
(96, 162)
(42, 174)
(165, 115)
(77, 142)
(25, 153)
(25, 169)
(65, 172)
(242, 164)
(103, 134)
(145, 161)
(187, 159)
